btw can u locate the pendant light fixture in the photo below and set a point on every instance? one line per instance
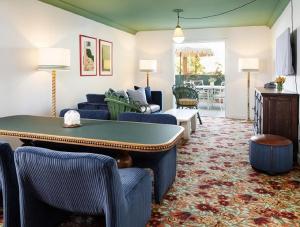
(178, 36)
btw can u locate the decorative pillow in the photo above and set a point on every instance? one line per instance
(138, 96)
(147, 92)
(188, 102)
(122, 94)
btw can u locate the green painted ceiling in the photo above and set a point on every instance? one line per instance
(144, 15)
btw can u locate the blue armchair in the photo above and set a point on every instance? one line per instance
(9, 183)
(53, 184)
(163, 164)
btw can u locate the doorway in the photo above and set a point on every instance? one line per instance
(201, 65)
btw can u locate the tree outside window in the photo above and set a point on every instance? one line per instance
(199, 60)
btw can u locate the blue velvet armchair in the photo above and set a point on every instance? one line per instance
(9, 185)
(52, 184)
(163, 164)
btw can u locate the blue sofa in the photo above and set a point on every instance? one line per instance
(53, 184)
(89, 114)
(96, 101)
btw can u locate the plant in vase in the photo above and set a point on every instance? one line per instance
(212, 81)
(280, 81)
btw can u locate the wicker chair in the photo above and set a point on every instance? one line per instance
(186, 97)
(118, 104)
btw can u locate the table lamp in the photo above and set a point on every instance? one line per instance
(248, 65)
(148, 66)
(53, 59)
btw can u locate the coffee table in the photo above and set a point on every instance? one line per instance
(187, 118)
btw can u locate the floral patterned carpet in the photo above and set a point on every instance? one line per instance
(216, 185)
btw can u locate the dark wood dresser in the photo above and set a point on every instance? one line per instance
(277, 113)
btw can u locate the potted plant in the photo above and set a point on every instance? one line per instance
(280, 80)
(212, 81)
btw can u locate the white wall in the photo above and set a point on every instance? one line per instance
(27, 25)
(240, 42)
(282, 23)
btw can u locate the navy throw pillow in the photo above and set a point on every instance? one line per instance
(147, 92)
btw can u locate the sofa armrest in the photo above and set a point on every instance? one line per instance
(156, 97)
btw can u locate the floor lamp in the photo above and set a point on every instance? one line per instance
(148, 66)
(53, 59)
(248, 65)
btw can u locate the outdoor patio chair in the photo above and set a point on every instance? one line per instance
(186, 97)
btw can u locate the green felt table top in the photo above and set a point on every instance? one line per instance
(99, 133)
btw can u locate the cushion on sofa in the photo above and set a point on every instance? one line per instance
(152, 108)
(147, 92)
(138, 96)
(188, 102)
(120, 93)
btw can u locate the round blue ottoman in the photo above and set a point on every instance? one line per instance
(271, 153)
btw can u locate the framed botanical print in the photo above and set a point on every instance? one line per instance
(106, 58)
(88, 55)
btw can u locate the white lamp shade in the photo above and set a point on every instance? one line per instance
(178, 36)
(148, 65)
(248, 64)
(53, 58)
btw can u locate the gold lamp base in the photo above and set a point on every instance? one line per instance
(147, 79)
(248, 98)
(53, 103)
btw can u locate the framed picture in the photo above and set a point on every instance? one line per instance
(106, 58)
(88, 55)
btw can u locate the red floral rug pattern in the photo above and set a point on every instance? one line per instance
(216, 186)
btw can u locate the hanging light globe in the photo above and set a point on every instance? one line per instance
(178, 36)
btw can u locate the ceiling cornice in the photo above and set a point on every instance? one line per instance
(79, 10)
(281, 5)
(87, 14)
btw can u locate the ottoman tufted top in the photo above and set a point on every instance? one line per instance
(268, 139)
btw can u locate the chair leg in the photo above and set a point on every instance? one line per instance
(200, 121)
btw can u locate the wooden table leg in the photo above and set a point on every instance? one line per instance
(124, 160)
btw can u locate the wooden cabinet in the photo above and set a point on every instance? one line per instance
(277, 113)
